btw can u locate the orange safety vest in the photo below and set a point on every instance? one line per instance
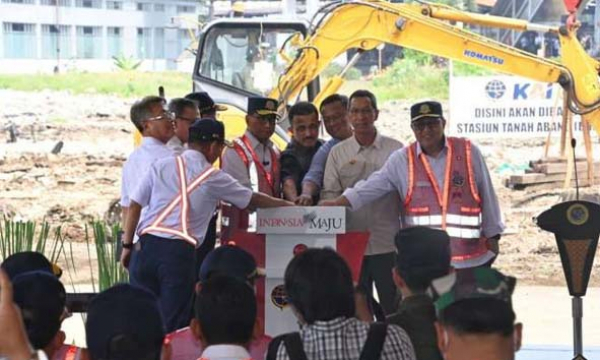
(233, 219)
(69, 352)
(183, 198)
(456, 208)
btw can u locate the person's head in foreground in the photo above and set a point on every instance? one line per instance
(124, 323)
(319, 286)
(475, 315)
(423, 255)
(225, 315)
(41, 298)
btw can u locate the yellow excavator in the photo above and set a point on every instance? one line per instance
(283, 59)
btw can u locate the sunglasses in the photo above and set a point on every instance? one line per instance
(429, 123)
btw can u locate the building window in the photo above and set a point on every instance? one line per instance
(144, 43)
(114, 5)
(115, 41)
(143, 6)
(159, 7)
(19, 1)
(183, 41)
(56, 42)
(19, 41)
(89, 42)
(95, 4)
(186, 9)
(159, 43)
(56, 2)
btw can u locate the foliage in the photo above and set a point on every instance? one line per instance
(126, 63)
(418, 75)
(334, 69)
(413, 77)
(110, 271)
(175, 83)
(19, 236)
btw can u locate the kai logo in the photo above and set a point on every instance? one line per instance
(525, 91)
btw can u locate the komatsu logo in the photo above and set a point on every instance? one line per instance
(483, 57)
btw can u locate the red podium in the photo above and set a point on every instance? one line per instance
(283, 232)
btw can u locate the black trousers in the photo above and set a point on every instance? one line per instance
(165, 267)
(378, 269)
(208, 244)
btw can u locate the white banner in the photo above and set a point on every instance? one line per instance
(505, 106)
(302, 220)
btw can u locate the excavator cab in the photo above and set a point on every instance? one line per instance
(240, 58)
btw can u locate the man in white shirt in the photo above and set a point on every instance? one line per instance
(153, 121)
(224, 318)
(179, 196)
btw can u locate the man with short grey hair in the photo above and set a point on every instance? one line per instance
(185, 112)
(154, 122)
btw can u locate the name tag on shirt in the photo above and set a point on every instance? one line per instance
(423, 184)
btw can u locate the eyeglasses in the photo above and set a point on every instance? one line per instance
(361, 111)
(186, 119)
(167, 115)
(333, 119)
(431, 124)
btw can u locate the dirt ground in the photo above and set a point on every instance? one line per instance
(78, 183)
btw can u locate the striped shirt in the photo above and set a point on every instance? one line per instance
(344, 338)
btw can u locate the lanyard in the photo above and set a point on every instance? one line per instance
(268, 175)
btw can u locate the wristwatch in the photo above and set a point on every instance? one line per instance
(127, 245)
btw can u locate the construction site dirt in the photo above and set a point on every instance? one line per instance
(65, 168)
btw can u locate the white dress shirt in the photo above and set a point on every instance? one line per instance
(225, 352)
(138, 164)
(176, 145)
(161, 185)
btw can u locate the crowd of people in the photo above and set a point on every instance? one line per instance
(429, 208)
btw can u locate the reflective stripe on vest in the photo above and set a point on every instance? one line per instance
(456, 208)
(183, 199)
(252, 173)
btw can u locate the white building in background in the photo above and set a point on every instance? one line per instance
(84, 35)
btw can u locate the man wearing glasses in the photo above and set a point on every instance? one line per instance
(254, 162)
(185, 111)
(351, 161)
(444, 183)
(154, 122)
(180, 195)
(334, 112)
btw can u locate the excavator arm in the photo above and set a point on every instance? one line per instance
(364, 25)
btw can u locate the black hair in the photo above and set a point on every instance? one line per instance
(479, 316)
(302, 108)
(178, 105)
(333, 98)
(418, 279)
(226, 310)
(364, 94)
(142, 110)
(318, 283)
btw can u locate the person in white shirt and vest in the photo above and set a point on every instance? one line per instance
(444, 183)
(254, 162)
(179, 195)
(207, 109)
(154, 122)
